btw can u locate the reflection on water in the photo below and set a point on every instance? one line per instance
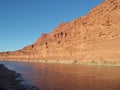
(68, 77)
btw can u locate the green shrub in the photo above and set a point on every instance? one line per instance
(75, 62)
(94, 62)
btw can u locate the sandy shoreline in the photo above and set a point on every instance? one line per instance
(10, 80)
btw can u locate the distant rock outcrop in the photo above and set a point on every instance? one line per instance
(94, 37)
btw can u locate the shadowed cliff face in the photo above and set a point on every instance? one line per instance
(95, 36)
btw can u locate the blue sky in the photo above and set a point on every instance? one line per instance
(23, 21)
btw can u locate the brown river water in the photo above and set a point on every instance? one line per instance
(68, 77)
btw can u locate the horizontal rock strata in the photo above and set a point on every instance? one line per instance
(94, 37)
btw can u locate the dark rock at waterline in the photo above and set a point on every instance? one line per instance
(10, 80)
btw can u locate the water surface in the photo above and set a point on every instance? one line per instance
(68, 77)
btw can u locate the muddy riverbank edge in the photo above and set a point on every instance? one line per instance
(10, 80)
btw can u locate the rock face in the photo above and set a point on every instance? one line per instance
(94, 37)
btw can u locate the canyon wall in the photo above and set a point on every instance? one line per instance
(94, 37)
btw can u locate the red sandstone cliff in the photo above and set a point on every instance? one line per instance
(94, 37)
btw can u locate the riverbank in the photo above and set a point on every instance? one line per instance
(10, 80)
(72, 62)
